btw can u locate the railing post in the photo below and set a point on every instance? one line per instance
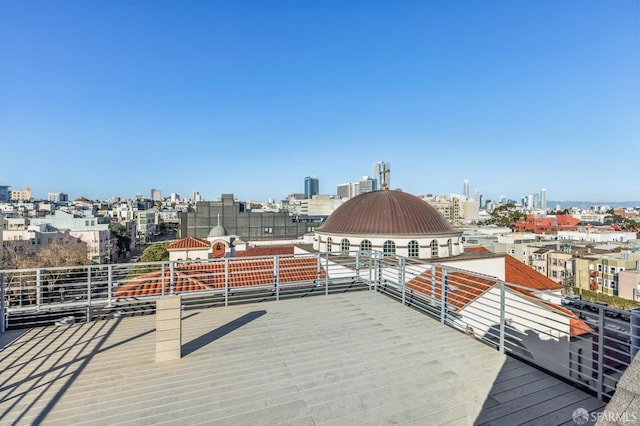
(503, 318)
(172, 278)
(2, 303)
(38, 288)
(276, 275)
(600, 381)
(326, 275)
(434, 296)
(401, 276)
(378, 269)
(164, 283)
(89, 294)
(109, 285)
(226, 281)
(444, 296)
(370, 267)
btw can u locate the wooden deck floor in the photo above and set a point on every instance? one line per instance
(352, 358)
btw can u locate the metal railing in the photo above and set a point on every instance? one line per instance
(587, 344)
(42, 296)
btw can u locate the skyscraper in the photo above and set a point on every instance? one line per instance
(311, 187)
(543, 199)
(465, 190)
(382, 174)
(156, 195)
(5, 194)
(366, 184)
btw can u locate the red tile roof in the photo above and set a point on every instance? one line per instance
(188, 243)
(211, 275)
(479, 249)
(465, 288)
(517, 272)
(265, 251)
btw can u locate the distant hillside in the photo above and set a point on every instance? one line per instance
(588, 204)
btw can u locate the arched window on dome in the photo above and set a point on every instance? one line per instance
(434, 248)
(388, 248)
(345, 245)
(450, 247)
(329, 244)
(414, 248)
(365, 245)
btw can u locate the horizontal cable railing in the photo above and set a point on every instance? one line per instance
(588, 344)
(44, 296)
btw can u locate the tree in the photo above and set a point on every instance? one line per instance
(52, 259)
(123, 238)
(155, 253)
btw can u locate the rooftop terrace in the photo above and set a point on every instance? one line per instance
(346, 358)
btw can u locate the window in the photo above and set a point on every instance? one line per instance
(365, 245)
(388, 248)
(344, 246)
(329, 244)
(414, 249)
(434, 248)
(450, 247)
(268, 230)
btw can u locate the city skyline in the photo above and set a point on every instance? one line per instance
(251, 97)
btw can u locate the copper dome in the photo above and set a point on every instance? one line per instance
(386, 212)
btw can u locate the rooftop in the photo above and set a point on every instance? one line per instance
(347, 358)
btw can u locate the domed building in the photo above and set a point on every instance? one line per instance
(390, 221)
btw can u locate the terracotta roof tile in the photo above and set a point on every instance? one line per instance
(190, 277)
(265, 251)
(479, 249)
(465, 288)
(517, 272)
(188, 243)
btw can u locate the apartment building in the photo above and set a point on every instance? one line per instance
(601, 272)
(21, 195)
(546, 225)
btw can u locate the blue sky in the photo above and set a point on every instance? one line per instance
(105, 98)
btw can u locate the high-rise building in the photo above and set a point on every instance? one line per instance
(366, 184)
(57, 197)
(156, 195)
(543, 199)
(465, 190)
(5, 194)
(345, 190)
(311, 187)
(382, 174)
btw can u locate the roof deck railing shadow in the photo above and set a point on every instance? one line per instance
(590, 349)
